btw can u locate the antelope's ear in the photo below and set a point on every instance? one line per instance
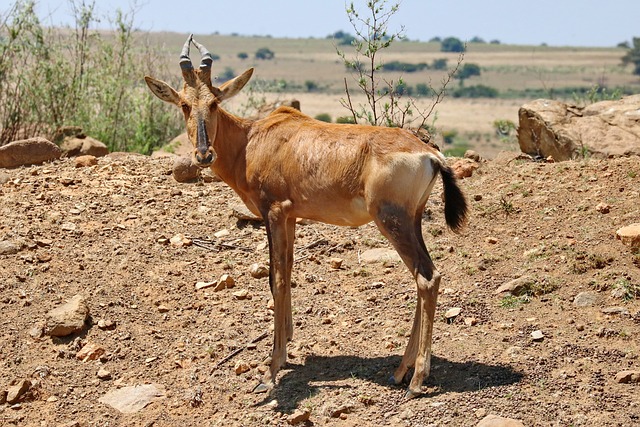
(162, 90)
(233, 86)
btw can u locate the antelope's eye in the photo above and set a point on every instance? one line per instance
(186, 109)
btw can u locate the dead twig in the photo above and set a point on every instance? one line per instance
(237, 351)
(217, 246)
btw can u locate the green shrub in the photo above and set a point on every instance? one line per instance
(79, 77)
(476, 91)
(345, 120)
(323, 117)
(243, 55)
(452, 44)
(264, 53)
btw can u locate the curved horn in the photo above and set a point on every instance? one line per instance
(207, 59)
(185, 61)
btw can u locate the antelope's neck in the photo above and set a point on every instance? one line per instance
(230, 147)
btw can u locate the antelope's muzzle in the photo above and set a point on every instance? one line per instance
(204, 154)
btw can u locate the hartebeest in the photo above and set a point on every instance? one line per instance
(289, 166)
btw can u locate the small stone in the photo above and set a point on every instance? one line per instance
(179, 240)
(68, 318)
(379, 255)
(85, 161)
(133, 399)
(625, 377)
(17, 392)
(336, 263)
(470, 321)
(342, 410)
(204, 285)
(258, 271)
(492, 240)
(615, 310)
(8, 248)
(36, 332)
(103, 374)
(227, 281)
(243, 213)
(163, 308)
(106, 324)
(222, 233)
(585, 299)
(299, 416)
(496, 421)
(477, 197)
(537, 335)
(452, 313)
(184, 170)
(603, 208)
(630, 235)
(90, 351)
(242, 294)
(241, 367)
(515, 287)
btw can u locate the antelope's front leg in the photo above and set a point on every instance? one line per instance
(280, 233)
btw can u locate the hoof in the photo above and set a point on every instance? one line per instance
(261, 388)
(410, 394)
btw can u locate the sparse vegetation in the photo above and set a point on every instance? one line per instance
(633, 56)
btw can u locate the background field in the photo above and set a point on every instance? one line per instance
(519, 73)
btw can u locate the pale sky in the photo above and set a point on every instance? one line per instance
(554, 22)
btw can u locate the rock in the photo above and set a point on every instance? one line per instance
(179, 240)
(204, 285)
(615, 310)
(103, 374)
(3, 397)
(8, 248)
(133, 399)
(342, 410)
(33, 151)
(106, 324)
(184, 170)
(379, 255)
(163, 308)
(243, 213)
(464, 168)
(258, 271)
(242, 294)
(85, 161)
(565, 131)
(470, 321)
(81, 145)
(473, 155)
(90, 351)
(225, 282)
(625, 377)
(222, 233)
(241, 367)
(336, 263)
(299, 416)
(16, 393)
(67, 319)
(537, 335)
(516, 287)
(630, 235)
(496, 421)
(585, 299)
(452, 313)
(603, 208)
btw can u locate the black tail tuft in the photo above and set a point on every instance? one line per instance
(455, 204)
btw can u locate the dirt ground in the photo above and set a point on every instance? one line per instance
(104, 231)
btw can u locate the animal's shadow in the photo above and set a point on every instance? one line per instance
(299, 382)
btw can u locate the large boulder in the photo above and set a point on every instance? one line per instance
(31, 151)
(74, 146)
(564, 131)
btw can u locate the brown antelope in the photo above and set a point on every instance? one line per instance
(289, 166)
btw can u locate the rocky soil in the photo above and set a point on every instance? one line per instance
(149, 255)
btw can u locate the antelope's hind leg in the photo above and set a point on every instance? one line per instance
(404, 231)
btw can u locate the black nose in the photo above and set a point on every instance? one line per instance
(204, 159)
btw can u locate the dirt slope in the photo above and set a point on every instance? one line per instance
(102, 232)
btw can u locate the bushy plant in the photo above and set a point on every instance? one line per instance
(324, 117)
(79, 77)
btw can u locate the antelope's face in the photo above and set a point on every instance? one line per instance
(199, 100)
